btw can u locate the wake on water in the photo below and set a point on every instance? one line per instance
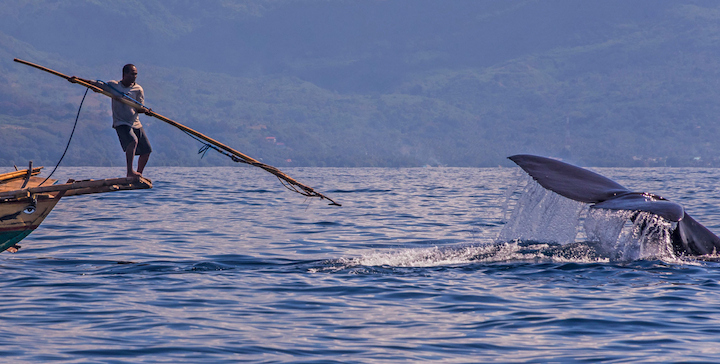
(546, 227)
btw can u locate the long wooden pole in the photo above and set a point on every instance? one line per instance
(238, 157)
(17, 174)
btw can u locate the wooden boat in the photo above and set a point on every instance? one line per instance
(25, 202)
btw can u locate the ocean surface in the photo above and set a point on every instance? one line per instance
(452, 265)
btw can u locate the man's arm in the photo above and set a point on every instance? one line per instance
(97, 86)
(111, 91)
(141, 99)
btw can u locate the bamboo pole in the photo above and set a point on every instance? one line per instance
(236, 156)
(17, 174)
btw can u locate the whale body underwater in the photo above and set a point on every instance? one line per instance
(579, 184)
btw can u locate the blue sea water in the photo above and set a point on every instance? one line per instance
(223, 265)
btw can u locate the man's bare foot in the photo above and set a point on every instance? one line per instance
(134, 174)
(14, 248)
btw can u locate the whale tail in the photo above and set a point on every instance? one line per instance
(579, 184)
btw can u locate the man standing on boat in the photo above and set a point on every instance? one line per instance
(126, 119)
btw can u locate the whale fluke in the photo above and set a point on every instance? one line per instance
(646, 202)
(693, 238)
(567, 180)
(579, 184)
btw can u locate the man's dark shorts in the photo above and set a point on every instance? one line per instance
(127, 135)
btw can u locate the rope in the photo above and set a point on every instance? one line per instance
(69, 140)
(284, 179)
(305, 191)
(206, 146)
(204, 150)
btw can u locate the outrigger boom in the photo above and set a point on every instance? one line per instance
(235, 155)
(24, 203)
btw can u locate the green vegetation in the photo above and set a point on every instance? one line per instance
(365, 83)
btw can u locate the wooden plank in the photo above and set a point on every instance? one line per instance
(16, 184)
(83, 187)
(107, 188)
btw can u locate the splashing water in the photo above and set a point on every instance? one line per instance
(629, 235)
(542, 226)
(513, 251)
(544, 216)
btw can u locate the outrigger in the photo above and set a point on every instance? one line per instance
(25, 203)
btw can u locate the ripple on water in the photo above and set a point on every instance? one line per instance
(223, 265)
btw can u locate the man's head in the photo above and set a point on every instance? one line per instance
(129, 74)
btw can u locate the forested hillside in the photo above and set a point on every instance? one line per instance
(371, 83)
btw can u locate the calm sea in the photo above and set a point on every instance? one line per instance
(223, 265)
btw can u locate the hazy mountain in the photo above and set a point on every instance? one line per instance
(371, 83)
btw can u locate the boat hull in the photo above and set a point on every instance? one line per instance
(19, 219)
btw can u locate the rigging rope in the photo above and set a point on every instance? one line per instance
(69, 140)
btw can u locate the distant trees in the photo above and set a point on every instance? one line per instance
(604, 87)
